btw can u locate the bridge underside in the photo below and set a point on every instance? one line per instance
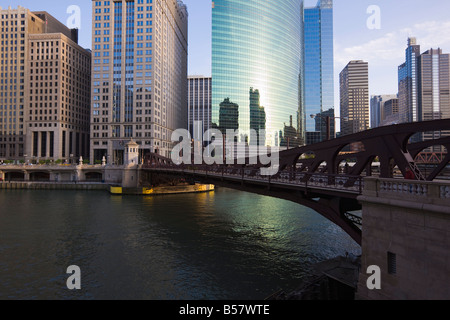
(333, 207)
(327, 162)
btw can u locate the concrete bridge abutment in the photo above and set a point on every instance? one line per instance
(406, 233)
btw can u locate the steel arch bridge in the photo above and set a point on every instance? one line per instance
(314, 176)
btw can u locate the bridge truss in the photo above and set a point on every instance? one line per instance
(319, 177)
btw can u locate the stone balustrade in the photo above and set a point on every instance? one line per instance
(424, 192)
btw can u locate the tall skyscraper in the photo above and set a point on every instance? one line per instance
(433, 91)
(354, 96)
(257, 44)
(407, 83)
(44, 88)
(139, 88)
(377, 103)
(199, 104)
(319, 63)
(424, 89)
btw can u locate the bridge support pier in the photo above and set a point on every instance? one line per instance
(130, 177)
(406, 235)
(335, 209)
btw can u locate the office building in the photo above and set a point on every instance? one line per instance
(390, 108)
(326, 124)
(313, 137)
(391, 113)
(318, 64)
(256, 45)
(44, 90)
(139, 78)
(199, 104)
(407, 84)
(325, 127)
(433, 91)
(354, 97)
(377, 103)
(424, 90)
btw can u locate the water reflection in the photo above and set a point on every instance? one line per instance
(220, 245)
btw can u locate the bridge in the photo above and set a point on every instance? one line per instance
(316, 176)
(406, 223)
(52, 173)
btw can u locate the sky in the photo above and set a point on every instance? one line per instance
(382, 47)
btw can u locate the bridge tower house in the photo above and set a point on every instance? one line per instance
(130, 173)
(131, 154)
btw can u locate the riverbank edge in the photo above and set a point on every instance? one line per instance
(112, 189)
(333, 279)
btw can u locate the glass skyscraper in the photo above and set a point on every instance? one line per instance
(256, 54)
(407, 83)
(319, 63)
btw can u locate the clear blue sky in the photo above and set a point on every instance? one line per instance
(429, 21)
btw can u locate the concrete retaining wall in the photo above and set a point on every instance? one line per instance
(52, 186)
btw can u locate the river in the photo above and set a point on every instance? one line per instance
(224, 245)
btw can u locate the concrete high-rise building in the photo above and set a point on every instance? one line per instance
(44, 88)
(390, 108)
(354, 97)
(391, 113)
(377, 103)
(139, 78)
(407, 84)
(257, 44)
(318, 64)
(199, 104)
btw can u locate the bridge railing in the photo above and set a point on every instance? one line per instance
(353, 184)
(437, 191)
(47, 166)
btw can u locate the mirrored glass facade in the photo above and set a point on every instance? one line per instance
(256, 48)
(319, 64)
(407, 83)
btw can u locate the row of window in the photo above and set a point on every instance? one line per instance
(108, 3)
(14, 35)
(139, 9)
(12, 16)
(13, 23)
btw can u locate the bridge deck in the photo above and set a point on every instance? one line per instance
(317, 183)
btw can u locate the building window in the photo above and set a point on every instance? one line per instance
(392, 263)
